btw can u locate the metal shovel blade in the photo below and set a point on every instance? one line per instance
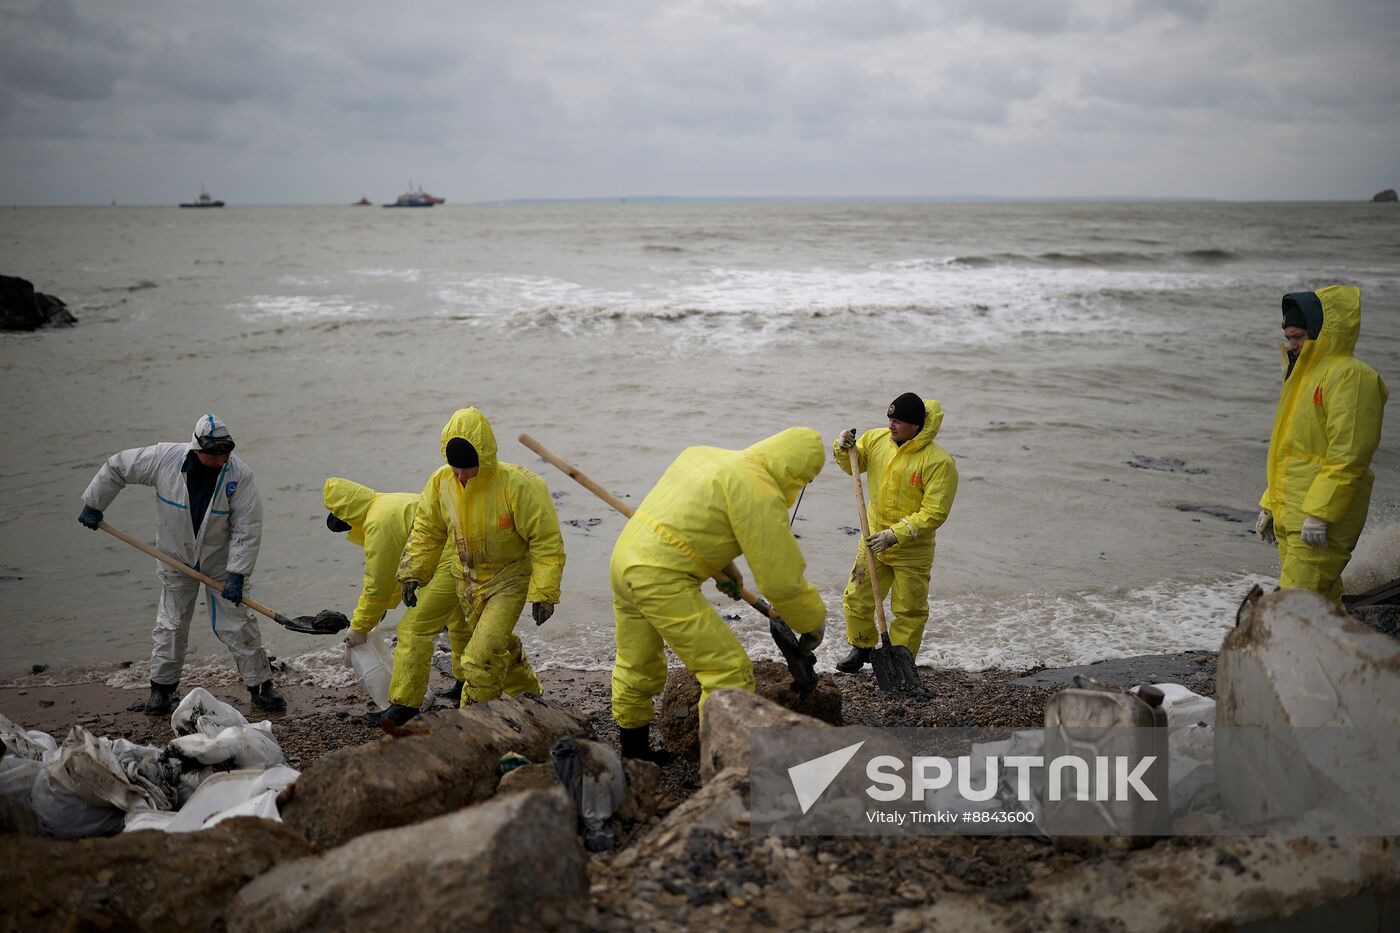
(324, 622)
(894, 667)
(801, 664)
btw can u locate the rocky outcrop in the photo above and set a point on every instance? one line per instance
(512, 863)
(679, 721)
(22, 308)
(1386, 195)
(442, 762)
(138, 880)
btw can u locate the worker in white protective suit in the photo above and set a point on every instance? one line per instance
(209, 517)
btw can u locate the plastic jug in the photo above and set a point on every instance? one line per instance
(373, 663)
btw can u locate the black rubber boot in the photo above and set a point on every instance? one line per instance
(453, 694)
(266, 698)
(396, 714)
(161, 702)
(636, 743)
(853, 662)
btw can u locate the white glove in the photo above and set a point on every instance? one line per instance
(848, 438)
(355, 637)
(1264, 526)
(1314, 532)
(881, 542)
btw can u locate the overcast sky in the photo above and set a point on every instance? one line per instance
(141, 101)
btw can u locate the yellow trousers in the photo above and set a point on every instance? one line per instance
(653, 608)
(493, 661)
(907, 588)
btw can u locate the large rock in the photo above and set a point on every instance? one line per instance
(138, 880)
(446, 761)
(729, 715)
(22, 308)
(679, 721)
(513, 863)
(1307, 693)
(1234, 884)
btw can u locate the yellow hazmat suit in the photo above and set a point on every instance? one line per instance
(505, 533)
(380, 523)
(911, 490)
(710, 506)
(1326, 427)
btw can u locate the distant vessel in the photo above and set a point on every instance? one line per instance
(363, 202)
(419, 198)
(204, 200)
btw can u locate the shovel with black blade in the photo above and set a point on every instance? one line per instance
(801, 664)
(324, 622)
(893, 664)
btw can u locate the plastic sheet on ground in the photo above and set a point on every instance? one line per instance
(92, 785)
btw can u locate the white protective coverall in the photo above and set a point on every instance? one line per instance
(228, 540)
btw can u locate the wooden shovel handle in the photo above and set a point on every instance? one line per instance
(182, 567)
(578, 476)
(865, 533)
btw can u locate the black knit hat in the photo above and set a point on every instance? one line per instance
(908, 408)
(335, 524)
(461, 454)
(1303, 309)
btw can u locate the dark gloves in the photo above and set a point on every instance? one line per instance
(541, 612)
(410, 593)
(90, 517)
(233, 588)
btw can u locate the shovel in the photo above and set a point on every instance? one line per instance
(324, 622)
(893, 664)
(801, 664)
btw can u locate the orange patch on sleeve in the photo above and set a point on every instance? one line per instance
(1317, 396)
(916, 479)
(505, 521)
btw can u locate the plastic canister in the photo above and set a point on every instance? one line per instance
(373, 664)
(1101, 725)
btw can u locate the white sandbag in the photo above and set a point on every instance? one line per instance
(116, 772)
(248, 792)
(373, 664)
(240, 747)
(148, 820)
(65, 815)
(201, 711)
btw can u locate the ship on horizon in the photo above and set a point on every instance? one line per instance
(204, 200)
(416, 198)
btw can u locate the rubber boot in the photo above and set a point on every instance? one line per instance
(161, 702)
(636, 743)
(853, 662)
(266, 698)
(453, 694)
(396, 713)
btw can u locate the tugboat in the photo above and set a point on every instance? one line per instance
(419, 198)
(363, 202)
(203, 201)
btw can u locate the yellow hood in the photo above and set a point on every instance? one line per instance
(793, 457)
(348, 501)
(471, 424)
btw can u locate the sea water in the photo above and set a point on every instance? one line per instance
(1108, 372)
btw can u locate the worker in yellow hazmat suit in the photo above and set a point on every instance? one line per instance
(1326, 428)
(380, 522)
(911, 485)
(499, 520)
(709, 506)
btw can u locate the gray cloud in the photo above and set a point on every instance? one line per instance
(322, 101)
